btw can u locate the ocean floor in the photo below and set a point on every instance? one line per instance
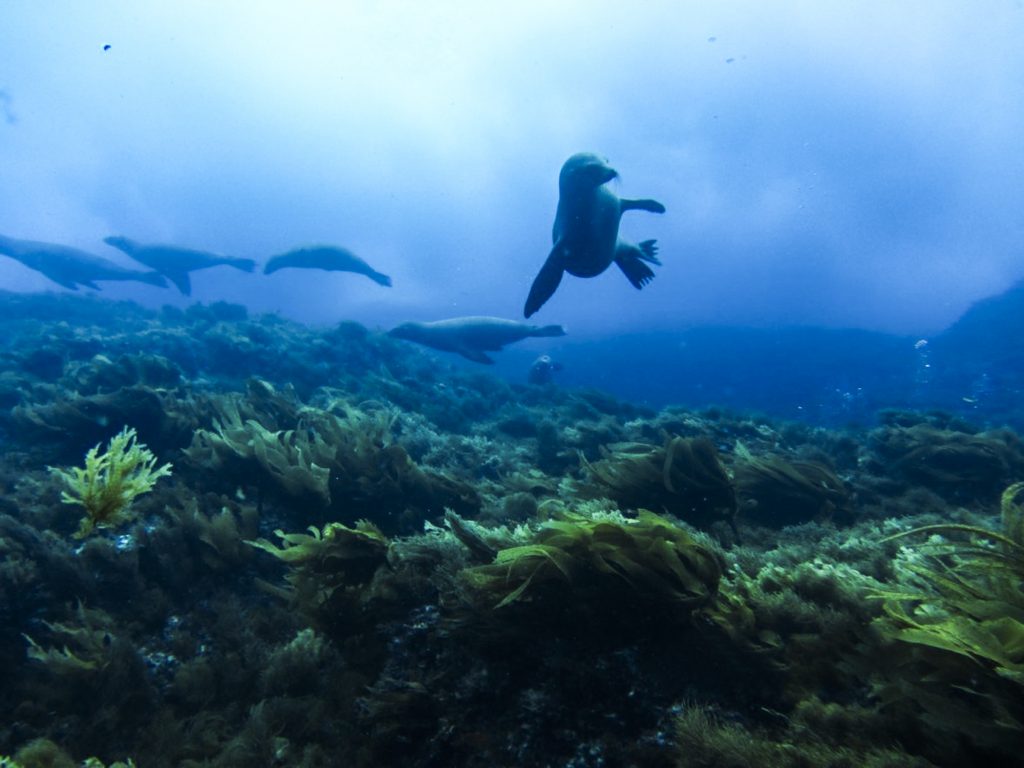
(362, 555)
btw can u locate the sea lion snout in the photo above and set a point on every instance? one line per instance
(405, 331)
(116, 241)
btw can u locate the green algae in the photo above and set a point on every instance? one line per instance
(329, 568)
(775, 491)
(959, 613)
(684, 476)
(546, 621)
(110, 481)
(43, 753)
(649, 558)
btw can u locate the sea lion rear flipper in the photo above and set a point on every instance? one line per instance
(631, 262)
(476, 355)
(379, 277)
(547, 330)
(246, 265)
(546, 282)
(641, 205)
(649, 252)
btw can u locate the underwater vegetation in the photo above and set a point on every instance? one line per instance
(656, 563)
(43, 752)
(684, 477)
(960, 623)
(367, 556)
(109, 482)
(775, 491)
(337, 457)
(952, 462)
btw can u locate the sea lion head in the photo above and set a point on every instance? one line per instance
(585, 170)
(408, 331)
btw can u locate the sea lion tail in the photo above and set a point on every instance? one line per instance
(549, 330)
(380, 278)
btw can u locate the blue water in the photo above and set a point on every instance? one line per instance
(824, 350)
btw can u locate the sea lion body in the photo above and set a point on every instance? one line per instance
(326, 257)
(585, 234)
(71, 267)
(472, 337)
(174, 262)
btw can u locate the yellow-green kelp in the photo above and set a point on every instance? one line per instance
(109, 482)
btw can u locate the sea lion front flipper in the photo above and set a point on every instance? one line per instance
(67, 282)
(476, 355)
(546, 282)
(652, 206)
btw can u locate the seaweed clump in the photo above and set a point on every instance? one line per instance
(43, 753)
(776, 492)
(330, 570)
(817, 734)
(294, 461)
(109, 482)
(684, 476)
(959, 616)
(605, 570)
(305, 455)
(956, 464)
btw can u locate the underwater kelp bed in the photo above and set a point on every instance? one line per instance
(365, 557)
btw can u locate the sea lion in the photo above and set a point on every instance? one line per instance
(325, 257)
(472, 336)
(71, 267)
(586, 231)
(175, 263)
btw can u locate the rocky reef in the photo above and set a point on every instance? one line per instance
(365, 556)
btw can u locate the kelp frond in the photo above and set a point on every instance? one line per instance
(322, 562)
(683, 476)
(109, 482)
(961, 611)
(649, 559)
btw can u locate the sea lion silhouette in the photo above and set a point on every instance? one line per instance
(325, 257)
(71, 267)
(174, 262)
(472, 337)
(586, 231)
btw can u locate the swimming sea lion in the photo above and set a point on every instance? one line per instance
(71, 267)
(325, 257)
(586, 231)
(472, 336)
(175, 263)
